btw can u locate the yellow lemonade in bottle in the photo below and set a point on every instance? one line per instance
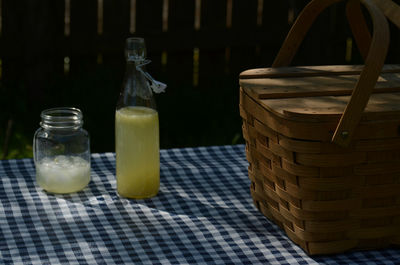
(137, 152)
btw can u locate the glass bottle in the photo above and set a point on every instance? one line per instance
(61, 151)
(136, 129)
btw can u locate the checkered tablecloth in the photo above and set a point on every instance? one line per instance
(202, 214)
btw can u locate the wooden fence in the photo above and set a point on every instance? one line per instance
(70, 52)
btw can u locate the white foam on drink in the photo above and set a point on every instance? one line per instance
(63, 174)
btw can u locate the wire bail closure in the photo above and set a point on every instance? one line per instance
(156, 86)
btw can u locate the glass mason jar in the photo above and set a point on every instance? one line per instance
(136, 129)
(61, 151)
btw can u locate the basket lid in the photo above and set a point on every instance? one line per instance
(321, 93)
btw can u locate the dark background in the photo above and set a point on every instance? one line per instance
(197, 47)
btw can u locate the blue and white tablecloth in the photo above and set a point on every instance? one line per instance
(203, 214)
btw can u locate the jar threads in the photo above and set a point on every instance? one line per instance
(62, 118)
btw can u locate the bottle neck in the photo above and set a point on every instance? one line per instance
(135, 62)
(131, 66)
(135, 89)
(61, 119)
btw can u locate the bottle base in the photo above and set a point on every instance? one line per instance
(137, 197)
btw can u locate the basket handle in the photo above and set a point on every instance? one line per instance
(358, 27)
(369, 75)
(390, 9)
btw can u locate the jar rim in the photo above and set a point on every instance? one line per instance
(61, 118)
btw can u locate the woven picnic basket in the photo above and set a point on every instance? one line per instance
(323, 142)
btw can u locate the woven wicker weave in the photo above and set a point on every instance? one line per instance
(330, 180)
